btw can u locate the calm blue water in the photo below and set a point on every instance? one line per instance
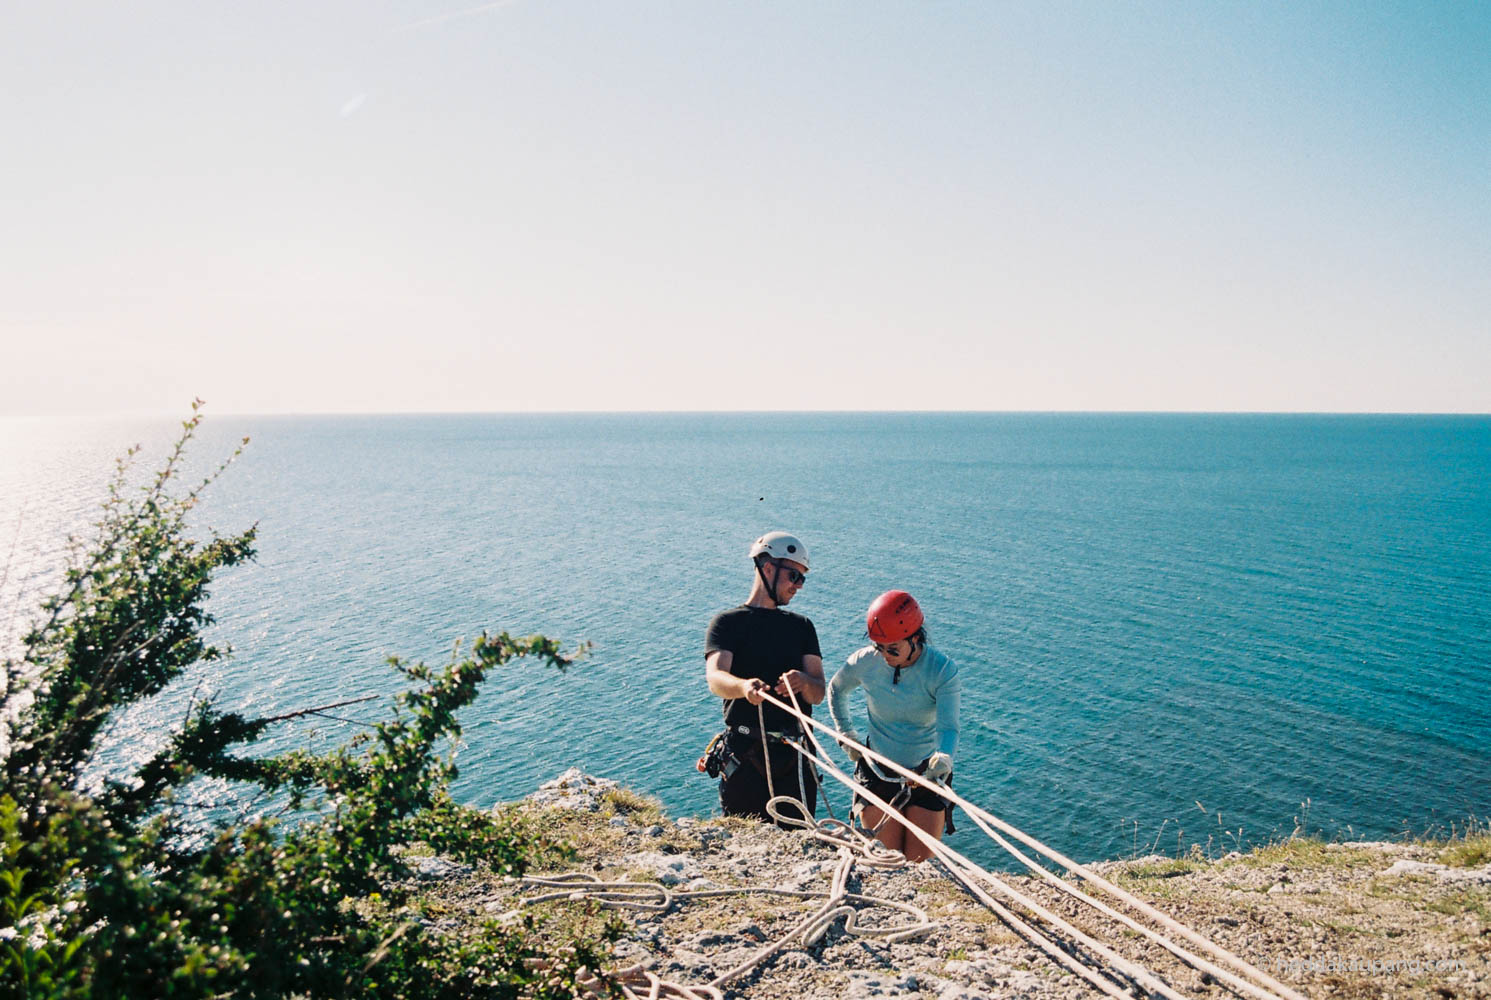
(1151, 611)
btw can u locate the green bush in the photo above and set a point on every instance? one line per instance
(110, 892)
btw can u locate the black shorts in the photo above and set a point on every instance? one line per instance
(888, 790)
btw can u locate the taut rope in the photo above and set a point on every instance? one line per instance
(1263, 986)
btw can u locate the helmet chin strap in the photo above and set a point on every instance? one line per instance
(916, 646)
(771, 588)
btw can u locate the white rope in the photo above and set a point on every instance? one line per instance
(802, 777)
(985, 820)
(1239, 984)
(818, 749)
(807, 931)
(574, 886)
(963, 870)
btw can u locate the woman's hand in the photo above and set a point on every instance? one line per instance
(855, 754)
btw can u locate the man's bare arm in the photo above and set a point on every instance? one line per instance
(724, 684)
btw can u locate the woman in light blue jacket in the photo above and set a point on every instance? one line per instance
(911, 697)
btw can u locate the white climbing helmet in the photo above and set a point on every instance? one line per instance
(780, 545)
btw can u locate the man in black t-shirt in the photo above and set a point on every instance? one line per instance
(754, 648)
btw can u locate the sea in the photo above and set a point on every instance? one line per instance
(1174, 631)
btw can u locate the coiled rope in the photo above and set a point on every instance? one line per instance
(835, 903)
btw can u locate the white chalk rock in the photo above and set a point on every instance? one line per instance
(865, 985)
(1443, 873)
(574, 789)
(439, 868)
(671, 869)
(1403, 866)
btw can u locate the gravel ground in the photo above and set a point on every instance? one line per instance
(1329, 920)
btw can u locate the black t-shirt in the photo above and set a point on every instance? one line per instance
(764, 643)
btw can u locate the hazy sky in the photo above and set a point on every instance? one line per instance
(545, 205)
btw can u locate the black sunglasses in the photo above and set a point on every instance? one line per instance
(793, 575)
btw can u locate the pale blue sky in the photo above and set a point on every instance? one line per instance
(532, 205)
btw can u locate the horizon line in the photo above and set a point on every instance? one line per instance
(212, 413)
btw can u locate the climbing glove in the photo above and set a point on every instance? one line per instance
(939, 765)
(853, 752)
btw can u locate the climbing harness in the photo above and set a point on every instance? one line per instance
(902, 795)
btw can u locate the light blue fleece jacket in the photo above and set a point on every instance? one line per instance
(909, 719)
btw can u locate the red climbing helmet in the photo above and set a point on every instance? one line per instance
(893, 616)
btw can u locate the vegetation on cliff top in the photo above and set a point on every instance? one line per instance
(115, 890)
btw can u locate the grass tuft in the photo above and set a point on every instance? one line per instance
(1471, 852)
(1169, 868)
(1463, 901)
(1307, 852)
(640, 809)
